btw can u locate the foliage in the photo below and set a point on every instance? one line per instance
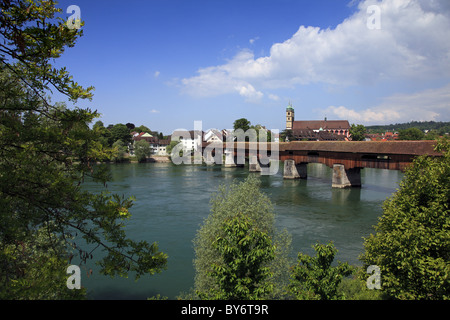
(34, 269)
(245, 252)
(286, 134)
(245, 199)
(119, 151)
(142, 150)
(357, 132)
(441, 127)
(411, 134)
(411, 244)
(120, 132)
(432, 135)
(172, 145)
(354, 288)
(32, 37)
(241, 123)
(313, 278)
(104, 135)
(141, 128)
(268, 133)
(47, 151)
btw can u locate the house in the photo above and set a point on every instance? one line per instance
(191, 139)
(214, 135)
(387, 136)
(161, 149)
(157, 146)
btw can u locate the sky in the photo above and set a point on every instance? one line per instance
(167, 63)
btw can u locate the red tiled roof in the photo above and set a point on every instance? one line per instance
(324, 124)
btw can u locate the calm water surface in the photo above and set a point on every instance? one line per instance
(172, 201)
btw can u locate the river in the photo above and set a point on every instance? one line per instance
(172, 201)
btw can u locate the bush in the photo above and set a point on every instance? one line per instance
(313, 278)
(411, 244)
(247, 200)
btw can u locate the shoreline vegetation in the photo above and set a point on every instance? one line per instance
(133, 159)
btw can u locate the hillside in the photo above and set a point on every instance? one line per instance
(441, 127)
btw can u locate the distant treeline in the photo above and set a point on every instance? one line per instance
(440, 127)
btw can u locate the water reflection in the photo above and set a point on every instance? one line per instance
(343, 196)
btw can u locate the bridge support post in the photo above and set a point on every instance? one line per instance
(254, 165)
(229, 159)
(209, 159)
(294, 171)
(343, 178)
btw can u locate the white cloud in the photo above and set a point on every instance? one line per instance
(250, 93)
(154, 111)
(252, 41)
(156, 74)
(427, 105)
(274, 97)
(411, 44)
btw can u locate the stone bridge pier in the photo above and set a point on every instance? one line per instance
(232, 160)
(295, 171)
(345, 178)
(342, 178)
(265, 166)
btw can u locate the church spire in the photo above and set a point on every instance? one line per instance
(289, 116)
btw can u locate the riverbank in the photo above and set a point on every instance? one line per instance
(159, 159)
(150, 159)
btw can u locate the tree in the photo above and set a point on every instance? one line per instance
(241, 123)
(130, 126)
(355, 288)
(411, 243)
(172, 145)
(27, 50)
(46, 152)
(142, 150)
(243, 269)
(431, 135)
(119, 150)
(411, 134)
(286, 135)
(36, 268)
(120, 132)
(246, 200)
(104, 135)
(258, 128)
(142, 128)
(357, 132)
(313, 278)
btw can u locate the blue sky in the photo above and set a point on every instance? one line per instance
(168, 63)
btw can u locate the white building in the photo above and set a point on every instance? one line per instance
(191, 140)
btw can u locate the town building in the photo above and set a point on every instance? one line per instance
(157, 146)
(190, 139)
(316, 130)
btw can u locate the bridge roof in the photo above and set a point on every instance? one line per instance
(370, 147)
(414, 148)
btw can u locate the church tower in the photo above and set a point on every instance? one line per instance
(289, 117)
